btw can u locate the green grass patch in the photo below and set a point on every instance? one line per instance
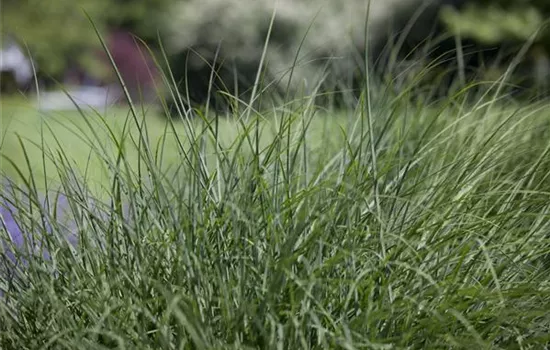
(387, 225)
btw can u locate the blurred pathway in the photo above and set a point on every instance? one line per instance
(83, 97)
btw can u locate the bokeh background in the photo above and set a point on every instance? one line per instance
(322, 40)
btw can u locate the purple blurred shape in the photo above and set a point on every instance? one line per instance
(134, 63)
(19, 236)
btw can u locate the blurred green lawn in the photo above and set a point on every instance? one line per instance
(71, 132)
(22, 123)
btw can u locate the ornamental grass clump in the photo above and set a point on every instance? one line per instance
(387, 224)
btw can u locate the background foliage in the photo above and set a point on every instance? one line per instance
(496, 21)
(322, 40)
(508, 25)
(58, 33)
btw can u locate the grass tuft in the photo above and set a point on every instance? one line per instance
(387, 224)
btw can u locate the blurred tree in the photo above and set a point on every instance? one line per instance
(54, 32)
(58, 34)
(141, 17)
(508, 25)
(493, 23)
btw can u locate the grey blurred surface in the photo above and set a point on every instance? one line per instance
(84, 97)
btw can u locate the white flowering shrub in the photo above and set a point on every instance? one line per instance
(314, 34)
